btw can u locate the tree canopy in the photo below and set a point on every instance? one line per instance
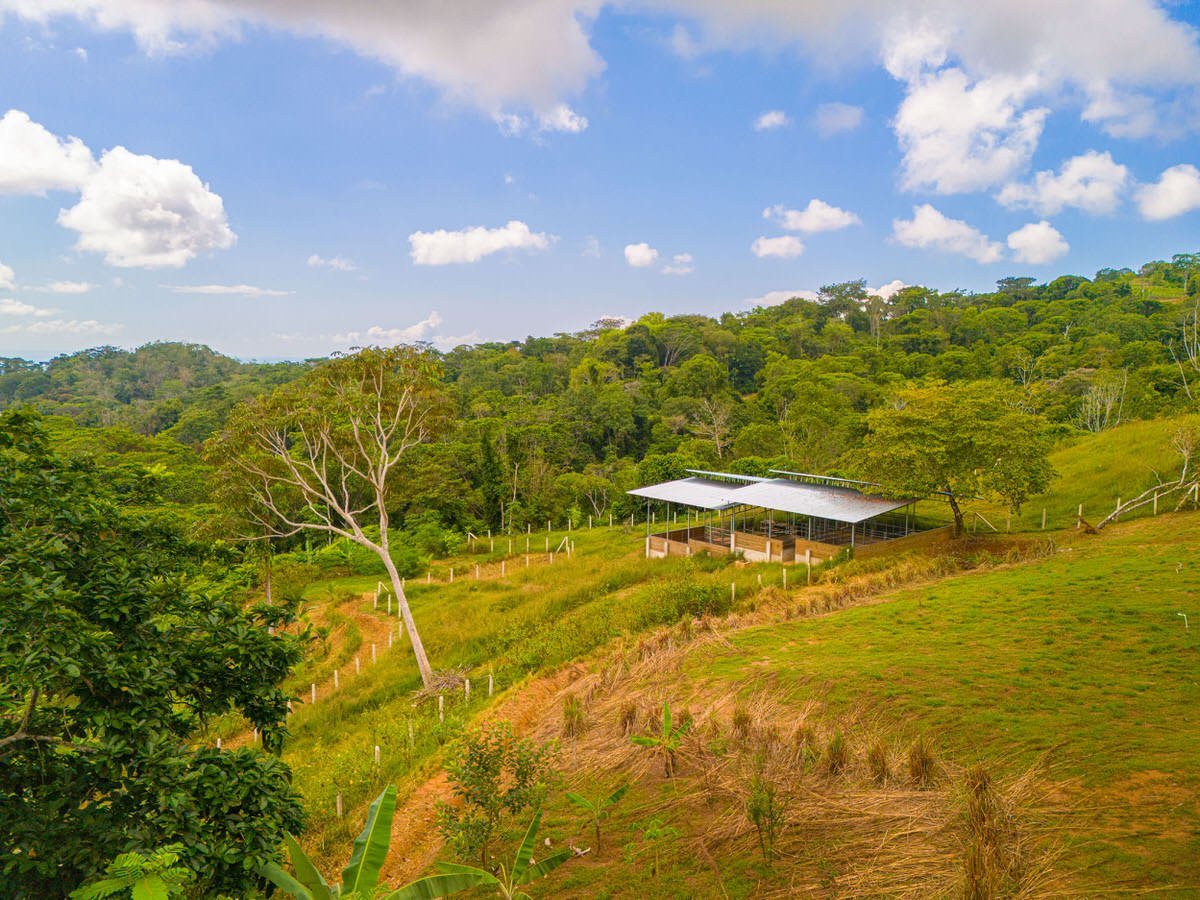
(959, 441)
(111, 657)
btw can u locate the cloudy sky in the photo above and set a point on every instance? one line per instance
(283, 178)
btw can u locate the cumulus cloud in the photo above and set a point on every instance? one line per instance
(681, 264)
(334, 263)
(377, 334)
(958, 135)
(11, 307)
(8, 278)
(441, 247)
(817, 216)
(640, 256)
(774, 298)
(784, 247)
(835, 118)
(889, 290)
(928, 229)
(34, 161)
(137, 210)
(770, 120)
(226, 290)
(561, 117)
(1176, 192)
(140, 211)
(1091, 182)
(1037, 243)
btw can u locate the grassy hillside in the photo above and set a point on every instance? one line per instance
(1097, 469)
(1069, 679)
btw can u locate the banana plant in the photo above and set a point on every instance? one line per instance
(361, 875)
(454, 878)
(598, 809)
(667, 741)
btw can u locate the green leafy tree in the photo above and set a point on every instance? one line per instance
(323, 454)
(493, 774)
(961, 440)
(109, 662)
(454, 878)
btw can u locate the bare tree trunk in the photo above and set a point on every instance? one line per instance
(959, 527)
(409, 625)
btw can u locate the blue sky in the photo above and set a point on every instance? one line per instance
(284, 180)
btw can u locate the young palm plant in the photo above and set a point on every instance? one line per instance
(598, 809)
(667, 741)
(454, 878)
(361, 875)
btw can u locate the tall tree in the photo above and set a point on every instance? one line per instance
(961, 440)
(109, 662)
(322, 453)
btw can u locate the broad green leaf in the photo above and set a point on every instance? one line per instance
(449, 868)
(642, 741)
(441, 885)
(545, 866)
(371, 847)
(103, 888)
(306, 872)
(151, 887)
(666, 720)
(286, 882)
(525, 851)
(581, 801)
(616, 795)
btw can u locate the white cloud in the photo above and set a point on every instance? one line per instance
(335, 263)
(441, 247)
(961, 136)
(835, 118)
(140, 211)
(592, 248)
(1037, 243)
(770, 120)
(445, 342)
(537, 53)
(928, 229)
(509, 178)
(377, 334)
(562, 118)
(34, 161)
(681, 264)
(774, 298)
(785, 247)
(11, 307)
(63, 326)
(640, 256)
(1090, 181)
(8, 278)
(226, 290)
(817, 216)
(81, 54)
(1176, 192)
(683, 44)
(66, 287)
(889, 290)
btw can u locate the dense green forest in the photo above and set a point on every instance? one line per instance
(554, 427)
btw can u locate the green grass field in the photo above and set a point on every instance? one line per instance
(1083, 652)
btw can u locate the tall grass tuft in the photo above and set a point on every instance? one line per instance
(837, 754)
(574, 719)
(921, 764)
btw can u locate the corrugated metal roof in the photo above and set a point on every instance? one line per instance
(818, 500)
(702, 493)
